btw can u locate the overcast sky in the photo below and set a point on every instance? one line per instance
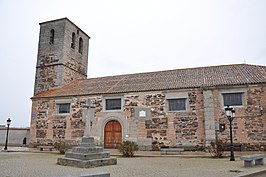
(128, 37)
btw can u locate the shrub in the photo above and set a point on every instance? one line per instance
(128, 148)
(62, 146)
(155, 146)
(217, 149)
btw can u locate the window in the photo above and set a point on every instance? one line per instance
(63, 108)
(73, 40)
(232, 99)
(177, 104)
(52, 36)
(113, 104)
(80, 45)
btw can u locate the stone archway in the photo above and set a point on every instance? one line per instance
(99, 128)
(112, 134)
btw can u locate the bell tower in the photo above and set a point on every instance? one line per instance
(62, 54)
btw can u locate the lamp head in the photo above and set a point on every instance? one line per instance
(228, 111)
(233, 113)
(8, 121)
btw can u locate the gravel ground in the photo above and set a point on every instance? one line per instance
(32, 164)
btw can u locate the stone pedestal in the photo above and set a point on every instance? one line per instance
(87, 156)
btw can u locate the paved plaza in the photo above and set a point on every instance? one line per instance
(147, 164)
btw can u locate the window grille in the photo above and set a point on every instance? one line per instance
(178, 104)
(113, 104)
(63, 108)
(232, 99)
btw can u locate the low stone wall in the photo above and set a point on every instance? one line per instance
(15, 136)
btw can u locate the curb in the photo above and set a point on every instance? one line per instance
(254, 174)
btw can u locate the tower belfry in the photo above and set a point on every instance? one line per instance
(62, 54)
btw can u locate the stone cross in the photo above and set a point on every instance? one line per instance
(89, 117)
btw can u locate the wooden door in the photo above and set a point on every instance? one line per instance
(112, 134)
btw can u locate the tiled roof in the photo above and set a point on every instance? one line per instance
(224, 75)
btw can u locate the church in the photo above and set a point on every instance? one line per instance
(173, 108)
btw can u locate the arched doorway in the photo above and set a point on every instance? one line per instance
(112, 134)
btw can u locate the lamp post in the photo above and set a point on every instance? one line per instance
(8, 121)
(230, 114)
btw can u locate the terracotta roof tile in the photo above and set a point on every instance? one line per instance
(223, 75)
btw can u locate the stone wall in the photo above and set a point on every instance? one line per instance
(49, 127)
(249, 126)
(159, 127)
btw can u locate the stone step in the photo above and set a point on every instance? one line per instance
(86, 163)
(86, 150)
(88, 156)
(87, 142)
(97, 175)
(87, 145)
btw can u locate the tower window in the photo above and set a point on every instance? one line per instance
(73, 40)
(52, 36)
(80, 45)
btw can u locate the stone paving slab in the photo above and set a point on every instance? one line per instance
(30, 164)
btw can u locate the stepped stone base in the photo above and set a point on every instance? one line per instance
(87, 156)
(86, 163)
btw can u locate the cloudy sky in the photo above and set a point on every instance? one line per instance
(129, 36)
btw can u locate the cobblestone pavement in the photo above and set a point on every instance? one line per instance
(32, 164)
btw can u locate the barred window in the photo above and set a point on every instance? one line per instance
(178, 104)
(113, 104)
(63, 108)
(233, 99)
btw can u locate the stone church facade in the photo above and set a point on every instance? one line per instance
(183, 107)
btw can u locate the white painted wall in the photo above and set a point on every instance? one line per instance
(15, 136)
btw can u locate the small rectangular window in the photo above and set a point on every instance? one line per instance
(113, 104)
(63, 108)
(232, 99)
(177, 104)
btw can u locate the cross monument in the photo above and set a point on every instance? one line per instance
(89, 118)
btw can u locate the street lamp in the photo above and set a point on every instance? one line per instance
(230, 114)
(8, 121)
